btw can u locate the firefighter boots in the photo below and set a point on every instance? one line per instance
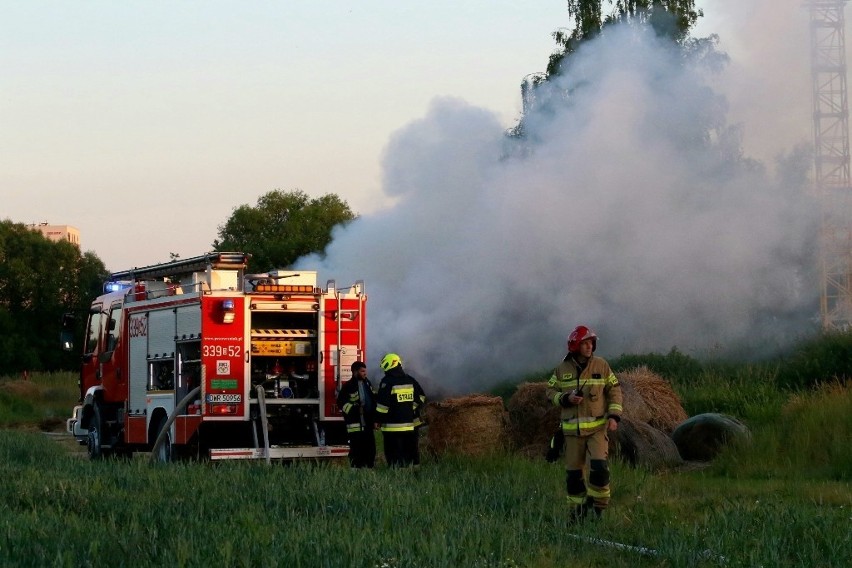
(578, 514)
(582, 512)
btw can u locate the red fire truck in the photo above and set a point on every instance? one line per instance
(196, 358)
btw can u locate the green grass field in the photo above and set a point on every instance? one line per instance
(44, 401)
(784, 500)
(62, 510)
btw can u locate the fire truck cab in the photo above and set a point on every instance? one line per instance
(195, 358)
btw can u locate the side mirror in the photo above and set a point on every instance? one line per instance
(66, 339)
(66, 336)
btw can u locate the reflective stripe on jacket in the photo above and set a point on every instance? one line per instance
(601, 391)
(350, 404)
(399, 401)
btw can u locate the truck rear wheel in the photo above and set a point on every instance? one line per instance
(165, 453)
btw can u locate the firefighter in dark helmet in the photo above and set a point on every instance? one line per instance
(399, 402)
(589, 394)
(357, 402)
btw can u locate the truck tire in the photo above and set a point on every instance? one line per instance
(165, 453)
(93, 440)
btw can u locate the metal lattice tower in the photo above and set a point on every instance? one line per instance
(831, 160)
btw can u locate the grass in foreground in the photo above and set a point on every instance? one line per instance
(783, 500)
(61, 510)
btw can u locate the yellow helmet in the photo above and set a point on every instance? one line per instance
(390, 361)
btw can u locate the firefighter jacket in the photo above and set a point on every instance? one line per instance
(399, 401)
(357, 402)
(600, 390)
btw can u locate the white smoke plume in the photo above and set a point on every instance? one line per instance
(627, 206)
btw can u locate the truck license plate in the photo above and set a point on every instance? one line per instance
(224, 398)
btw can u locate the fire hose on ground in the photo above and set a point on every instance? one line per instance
(643, 550)
(161, 437)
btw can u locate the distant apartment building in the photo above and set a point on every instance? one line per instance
(58, 232)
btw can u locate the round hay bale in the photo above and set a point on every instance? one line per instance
(634, 407)
(657, 393)
(532, 419)
(473, 425)
(702, 437)
(639, 444)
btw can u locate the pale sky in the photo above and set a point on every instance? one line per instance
(144, 124)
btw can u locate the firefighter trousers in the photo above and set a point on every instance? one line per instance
(362, 448)
(595, 446)
(402, 448)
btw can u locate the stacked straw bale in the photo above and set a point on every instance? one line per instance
(479, 424)
(651, 412)
(472, 425)
(656, 392)
(532, 419)
(635, 407)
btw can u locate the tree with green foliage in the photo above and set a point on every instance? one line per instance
(40, 280)
(668, 18)
(282, 227)
(672, 19)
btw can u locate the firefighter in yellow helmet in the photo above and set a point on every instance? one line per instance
(589, 394)
(399, 401)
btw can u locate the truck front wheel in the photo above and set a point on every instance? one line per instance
(93, 440)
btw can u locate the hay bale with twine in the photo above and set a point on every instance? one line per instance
(532, 419)
(472, 425)
(666, 410)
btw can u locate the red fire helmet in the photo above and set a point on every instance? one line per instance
(580, 333)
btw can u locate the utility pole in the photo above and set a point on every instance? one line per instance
(831, 161)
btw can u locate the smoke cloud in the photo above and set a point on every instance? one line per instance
(627, 206)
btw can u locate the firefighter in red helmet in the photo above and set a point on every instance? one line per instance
(588, 392)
